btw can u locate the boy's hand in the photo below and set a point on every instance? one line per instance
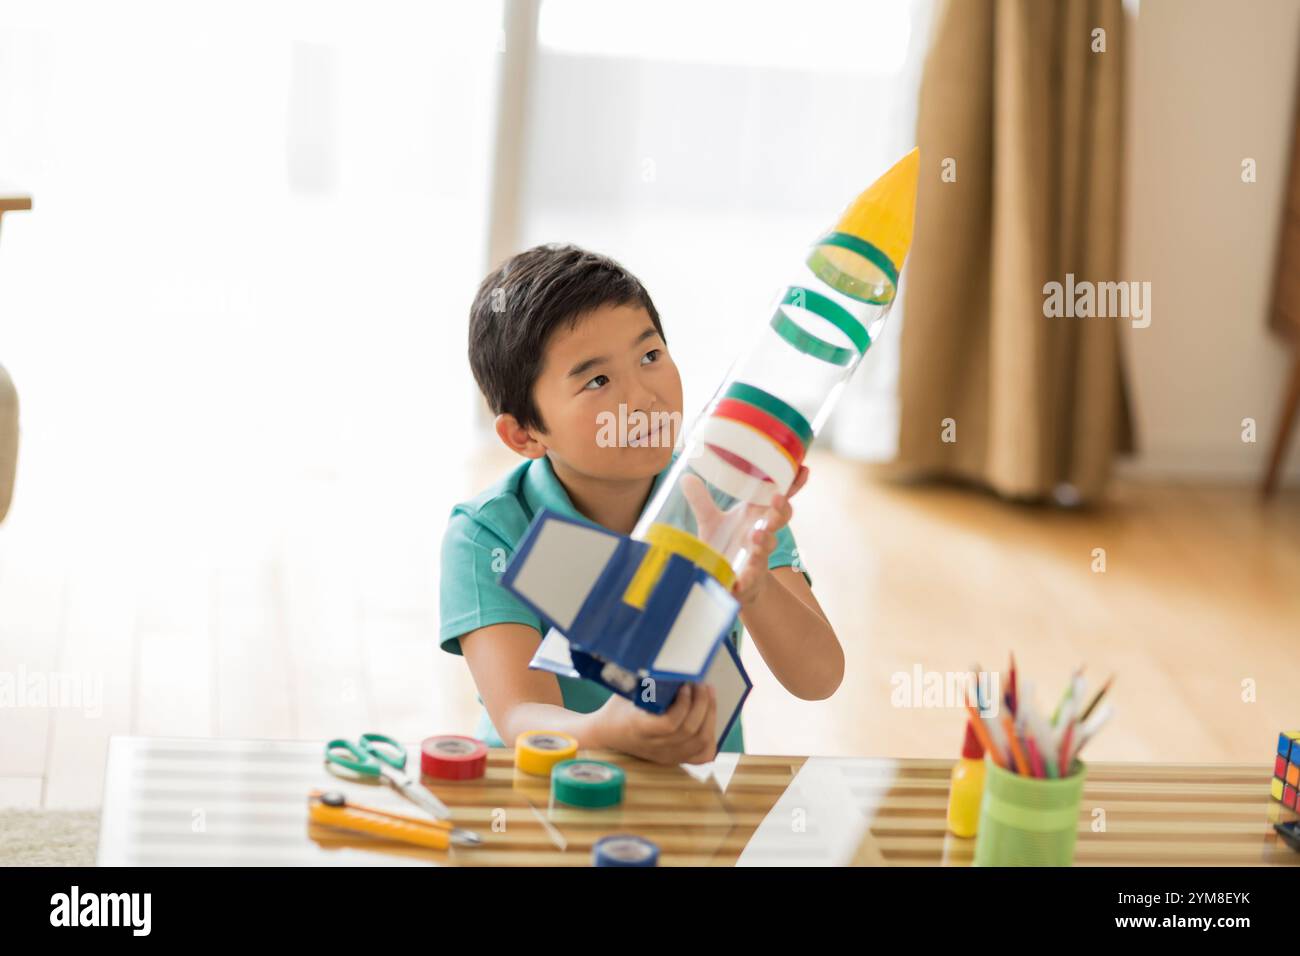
(681, 734)
(766, 523)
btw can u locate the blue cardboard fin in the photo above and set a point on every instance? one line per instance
(558, 562)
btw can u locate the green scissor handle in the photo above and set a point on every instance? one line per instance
(366, 756)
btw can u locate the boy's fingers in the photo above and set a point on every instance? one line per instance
(779, 513)
(764, 542)
(704, 754)
(703, 736)
(709, 727)
(669, 722)
(699, 710)
(698, 497)
(799, 481)
(776, 516)
(786, 511)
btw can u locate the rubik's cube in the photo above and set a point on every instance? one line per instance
(1286, 769)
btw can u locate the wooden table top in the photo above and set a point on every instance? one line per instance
(177, 801)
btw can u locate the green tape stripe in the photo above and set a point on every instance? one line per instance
(848, 284)
(774, 407)
(832, 312)
(809, 344)
(863, 248)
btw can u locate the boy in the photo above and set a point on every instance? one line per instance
(559, 339)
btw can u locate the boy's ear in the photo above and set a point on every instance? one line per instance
(517, 438)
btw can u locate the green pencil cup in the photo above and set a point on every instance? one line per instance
(1028, 821)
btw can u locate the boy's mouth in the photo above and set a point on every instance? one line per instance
(650, 437)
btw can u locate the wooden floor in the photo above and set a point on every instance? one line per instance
(316, 614)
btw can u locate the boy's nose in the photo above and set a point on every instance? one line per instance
(641, 399)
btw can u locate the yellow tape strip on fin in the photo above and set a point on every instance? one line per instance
(664, 540)
(646, 577)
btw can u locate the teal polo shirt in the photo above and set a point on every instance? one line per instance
(480, 539)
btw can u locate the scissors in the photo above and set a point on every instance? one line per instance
(375, 755)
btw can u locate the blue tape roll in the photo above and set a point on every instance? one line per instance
(624, 850)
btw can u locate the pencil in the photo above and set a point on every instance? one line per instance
(982, 735)
(975, 680)
(1069, 690)
(1065, 749)
(1097, 700)
(1018, 754)
(1035, 758)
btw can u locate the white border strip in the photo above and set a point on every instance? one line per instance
(728, 478)
(750, 444)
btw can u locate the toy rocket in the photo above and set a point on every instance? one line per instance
(644, 614)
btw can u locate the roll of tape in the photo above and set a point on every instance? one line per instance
(449, 757)
(624, 850)
(537, 751)
(587, 783)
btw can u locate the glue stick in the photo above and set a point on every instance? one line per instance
(967, 788)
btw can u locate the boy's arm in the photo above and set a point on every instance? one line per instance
(517, 698)
(792, 634)
(520, 699)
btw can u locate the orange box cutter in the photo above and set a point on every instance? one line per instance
(330, 808)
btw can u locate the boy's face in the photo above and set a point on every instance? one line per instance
(610, 395)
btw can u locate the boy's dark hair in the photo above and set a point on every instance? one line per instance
(520, 304)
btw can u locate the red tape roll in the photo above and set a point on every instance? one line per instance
(449, 757)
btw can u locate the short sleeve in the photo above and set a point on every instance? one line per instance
(470, 594)
(786, 554)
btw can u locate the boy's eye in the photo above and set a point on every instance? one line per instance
(652, 355)
(602, 379)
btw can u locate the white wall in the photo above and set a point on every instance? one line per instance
(1212, 83)
(714, 164)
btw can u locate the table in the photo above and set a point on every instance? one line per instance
(11, 201)
(177, 801)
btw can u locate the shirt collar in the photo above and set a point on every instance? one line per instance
(542, 489)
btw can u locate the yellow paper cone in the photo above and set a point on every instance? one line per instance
(864, 252)
(883, 215)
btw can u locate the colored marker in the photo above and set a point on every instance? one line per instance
(1022, 765)
(982, 734)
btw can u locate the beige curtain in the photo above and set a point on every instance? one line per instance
(1013, 92)
(8, 440)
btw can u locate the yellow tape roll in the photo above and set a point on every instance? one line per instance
(537, 751)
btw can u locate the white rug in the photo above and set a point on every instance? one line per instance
(48, 837)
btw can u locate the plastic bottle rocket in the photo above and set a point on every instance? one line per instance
(645, 614)
(751, 438)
